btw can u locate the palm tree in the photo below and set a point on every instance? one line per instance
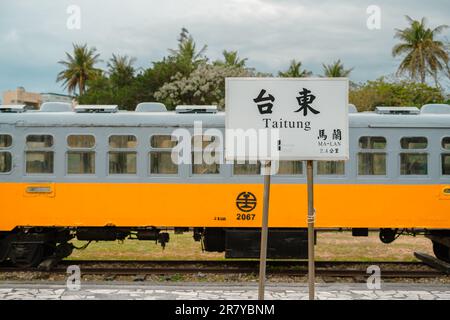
(121, 69)
(336, 70)
(232, 59)
(295, 71)
(424, 54)
(186, 54)
(79, 68)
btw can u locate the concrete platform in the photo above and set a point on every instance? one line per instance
(224, 291)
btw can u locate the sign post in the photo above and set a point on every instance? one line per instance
(264, 230)
(311, 218)
(295, 119)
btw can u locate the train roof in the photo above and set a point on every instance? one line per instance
(154, 115)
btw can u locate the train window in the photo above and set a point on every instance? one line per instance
(123, 141)
(39, 141)
(81, 141)
(246, 168)
(122, 162)
(445, 143)
(201, 166)
(205, 162)
(413, 163)
(372, 143)
(80, 162)
(39, 161)
(5, 162)
(162, 141)
(371, 164)
(5, 140)
(290, 167)
(414, 143)
(200, 142)
(445, 164)
(330, 167)
(161, 163)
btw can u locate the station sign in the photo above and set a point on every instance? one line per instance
(290, 118)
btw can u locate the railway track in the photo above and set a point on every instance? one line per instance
(333, 269)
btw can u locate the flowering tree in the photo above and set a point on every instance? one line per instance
(205, 85)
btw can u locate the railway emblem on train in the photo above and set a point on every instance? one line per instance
(246, 201)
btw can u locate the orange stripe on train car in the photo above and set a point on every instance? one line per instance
(214, 205)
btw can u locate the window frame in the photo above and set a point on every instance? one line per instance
(422, 151)
(152, 149)
(81, 134)
(161, 134)
(40, 149)
(194, 151)
(125, 134)
(329, 175)
(69, 149)
(258, 163)
(12, 141)
(444, 152)
(289, 176)
(37, 134)
(373, 151)
(110, 149)
(8, 149)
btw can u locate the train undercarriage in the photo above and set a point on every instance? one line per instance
(29, 247)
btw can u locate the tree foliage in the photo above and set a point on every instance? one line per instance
(205, 85)
(336, 70)
(79, 68)
(231, 59)
(390, 93)
(186, 76)
(423, 53)
(121, 70)
(295, 71)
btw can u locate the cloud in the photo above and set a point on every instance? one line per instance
(34, 36)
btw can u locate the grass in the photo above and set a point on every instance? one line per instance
(330, 246)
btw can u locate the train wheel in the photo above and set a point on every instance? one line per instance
(441, 251)
(26, 255)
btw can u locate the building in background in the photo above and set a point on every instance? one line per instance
(31, 99)
(20, 96)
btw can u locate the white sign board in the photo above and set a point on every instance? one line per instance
(301, 118)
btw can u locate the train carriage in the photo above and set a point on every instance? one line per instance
(96, 173)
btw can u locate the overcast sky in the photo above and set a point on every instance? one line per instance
(34, 34)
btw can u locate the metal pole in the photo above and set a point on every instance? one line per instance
(311, 218)
(264, 231)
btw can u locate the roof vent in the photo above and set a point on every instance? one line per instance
(12, 108)
(397, 110)
(56, 107)
(96, 109)
(196, 109)
(435, 109)
(151, 107)
(352, 108)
